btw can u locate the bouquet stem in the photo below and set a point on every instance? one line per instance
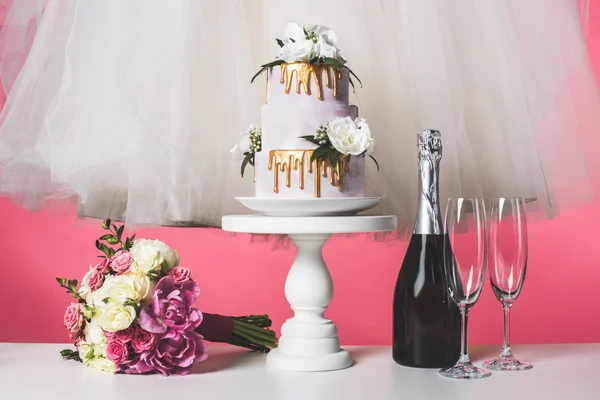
(250, 331)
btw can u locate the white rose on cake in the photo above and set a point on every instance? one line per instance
(299, 51)
(351, 136)
(241, 146)
(302, 44)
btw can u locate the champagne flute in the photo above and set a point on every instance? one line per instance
(465, 253)
(508, 263)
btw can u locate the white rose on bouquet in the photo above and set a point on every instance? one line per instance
(84, 289)
(102, 364)
(117, 288)
(143, 286)
(113, 316)
(86, 351)
(153, 255)
(350, 137)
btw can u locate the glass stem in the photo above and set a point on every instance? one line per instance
(506, 346)
(464, 352)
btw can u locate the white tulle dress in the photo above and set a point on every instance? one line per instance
(130, 107)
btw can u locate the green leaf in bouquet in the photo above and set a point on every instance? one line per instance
(68, 354)
(62, 281)
(107, 236)
(311, 139)
(106, 224)
(131, 303)
(279, 42)
(333, 160)
(114, 227)
(315, 60)
(320, 152)
(112, 240)
(98, 245)
(376, 163)
(120, 232)
(292, 40)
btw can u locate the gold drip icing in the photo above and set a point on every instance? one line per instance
(304, 72)
(297, 160)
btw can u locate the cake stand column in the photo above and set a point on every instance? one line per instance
(309, 341)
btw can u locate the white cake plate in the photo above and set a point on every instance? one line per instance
(309, 207)
(308, 341)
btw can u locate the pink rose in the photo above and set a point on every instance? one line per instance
(123, 336)
(103, 266)
(175, 354)
(121, 262)
(117, 352)
(143, 341)
(180, 274)
(96, 279)
(73, 319)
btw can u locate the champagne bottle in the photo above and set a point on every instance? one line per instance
(426, 327)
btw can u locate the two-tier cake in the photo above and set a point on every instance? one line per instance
(311, 143)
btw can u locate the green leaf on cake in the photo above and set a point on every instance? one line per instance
(352, 84)
(320, 152)
(376, 163)
(332, 62)
(311, 139)
(280, 42)
(333, 160)
(354, 75)
(245, 162)
(265, 67)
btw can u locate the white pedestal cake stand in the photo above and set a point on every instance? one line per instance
(308, 341)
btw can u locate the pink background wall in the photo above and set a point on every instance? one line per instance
(560, 301)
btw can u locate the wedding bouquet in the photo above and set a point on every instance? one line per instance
(134, 312)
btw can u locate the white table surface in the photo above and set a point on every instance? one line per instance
(36, 371)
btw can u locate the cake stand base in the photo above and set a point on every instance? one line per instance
(308, 341)
(321, 362)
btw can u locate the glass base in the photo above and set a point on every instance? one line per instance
(464, 371)
(507, 364)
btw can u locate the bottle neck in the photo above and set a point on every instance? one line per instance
(429, 220)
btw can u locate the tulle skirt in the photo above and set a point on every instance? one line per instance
(130, 107)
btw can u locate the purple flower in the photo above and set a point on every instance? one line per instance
(175, 354)
(171, 308)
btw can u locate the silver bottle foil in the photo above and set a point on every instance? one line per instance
(429, 220)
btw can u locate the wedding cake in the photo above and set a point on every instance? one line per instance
(311, 143)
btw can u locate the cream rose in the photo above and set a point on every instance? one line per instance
(119, 289)
(350, 137)
(153, 255)
(86, 351)
(113, 316)
(144, 287)
(84, 288)
(102, 364)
